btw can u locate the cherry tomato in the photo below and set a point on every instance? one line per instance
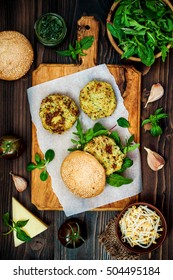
(11, 146)
(72, 233)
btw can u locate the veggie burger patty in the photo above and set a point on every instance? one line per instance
(58, 113)
(97, 99)
(105, 150)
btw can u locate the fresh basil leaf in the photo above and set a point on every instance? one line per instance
(145, 121)
(6, 218)
(86, 42)
(64, 53)
(158, 111)
(156, 130)
(21, 224)
(123, 122)
(22, 235)
(71, 48)
(117, 180)
(44, 175)
(49, 155)
(162, 116)
(131, 148)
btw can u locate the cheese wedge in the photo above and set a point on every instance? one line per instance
(34, 226)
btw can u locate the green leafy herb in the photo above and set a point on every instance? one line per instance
(114, 179)
(83, 44)
(127, 163)
(142, 29)
(85, 137)
(123, 122)
(154, 121)
(16, 226)
(42, 164)
(117, 180)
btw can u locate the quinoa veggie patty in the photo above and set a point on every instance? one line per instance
(105, 150)
(97, 99)
(58, 113)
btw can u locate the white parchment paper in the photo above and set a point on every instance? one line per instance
(71, 86)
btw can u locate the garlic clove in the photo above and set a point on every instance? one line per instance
(19, 182)
(154, 160)
(156, 93)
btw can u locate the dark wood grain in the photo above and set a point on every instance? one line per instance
(15, 118)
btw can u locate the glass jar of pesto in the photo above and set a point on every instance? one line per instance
(50, 29)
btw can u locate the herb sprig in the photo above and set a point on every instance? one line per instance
(143, 28)
(114, 179)
(81, 45)
(154, 121)
(16, 226)
(42, 164)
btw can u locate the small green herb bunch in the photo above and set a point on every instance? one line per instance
(83, 44)
(16, 226)
(154, 122)
(42, 164)
(114, 179)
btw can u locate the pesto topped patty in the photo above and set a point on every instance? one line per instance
(97, 99)
(106, 151)
(58, 113)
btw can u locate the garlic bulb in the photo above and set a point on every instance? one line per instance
(19, 182)
(154, 160)
(156, 93)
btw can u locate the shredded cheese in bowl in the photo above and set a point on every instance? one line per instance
(140, 226)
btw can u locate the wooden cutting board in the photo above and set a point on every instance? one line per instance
(128, 80)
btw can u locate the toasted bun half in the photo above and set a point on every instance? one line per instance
(16, 55)
(83, 174)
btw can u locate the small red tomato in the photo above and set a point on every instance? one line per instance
(72, 233)
(11, 146)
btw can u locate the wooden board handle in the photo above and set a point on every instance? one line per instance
(88, 26)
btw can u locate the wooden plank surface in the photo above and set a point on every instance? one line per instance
(15, 118)
(129, 82)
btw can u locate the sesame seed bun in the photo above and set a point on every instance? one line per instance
(16, 55)
(83, 174)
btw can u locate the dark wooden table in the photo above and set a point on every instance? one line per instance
(15, 118)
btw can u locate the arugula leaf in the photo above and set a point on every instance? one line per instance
(130, 146)
(42, 163)
(142, 29)
(117, 180)
(85, 137)
(83, 44)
